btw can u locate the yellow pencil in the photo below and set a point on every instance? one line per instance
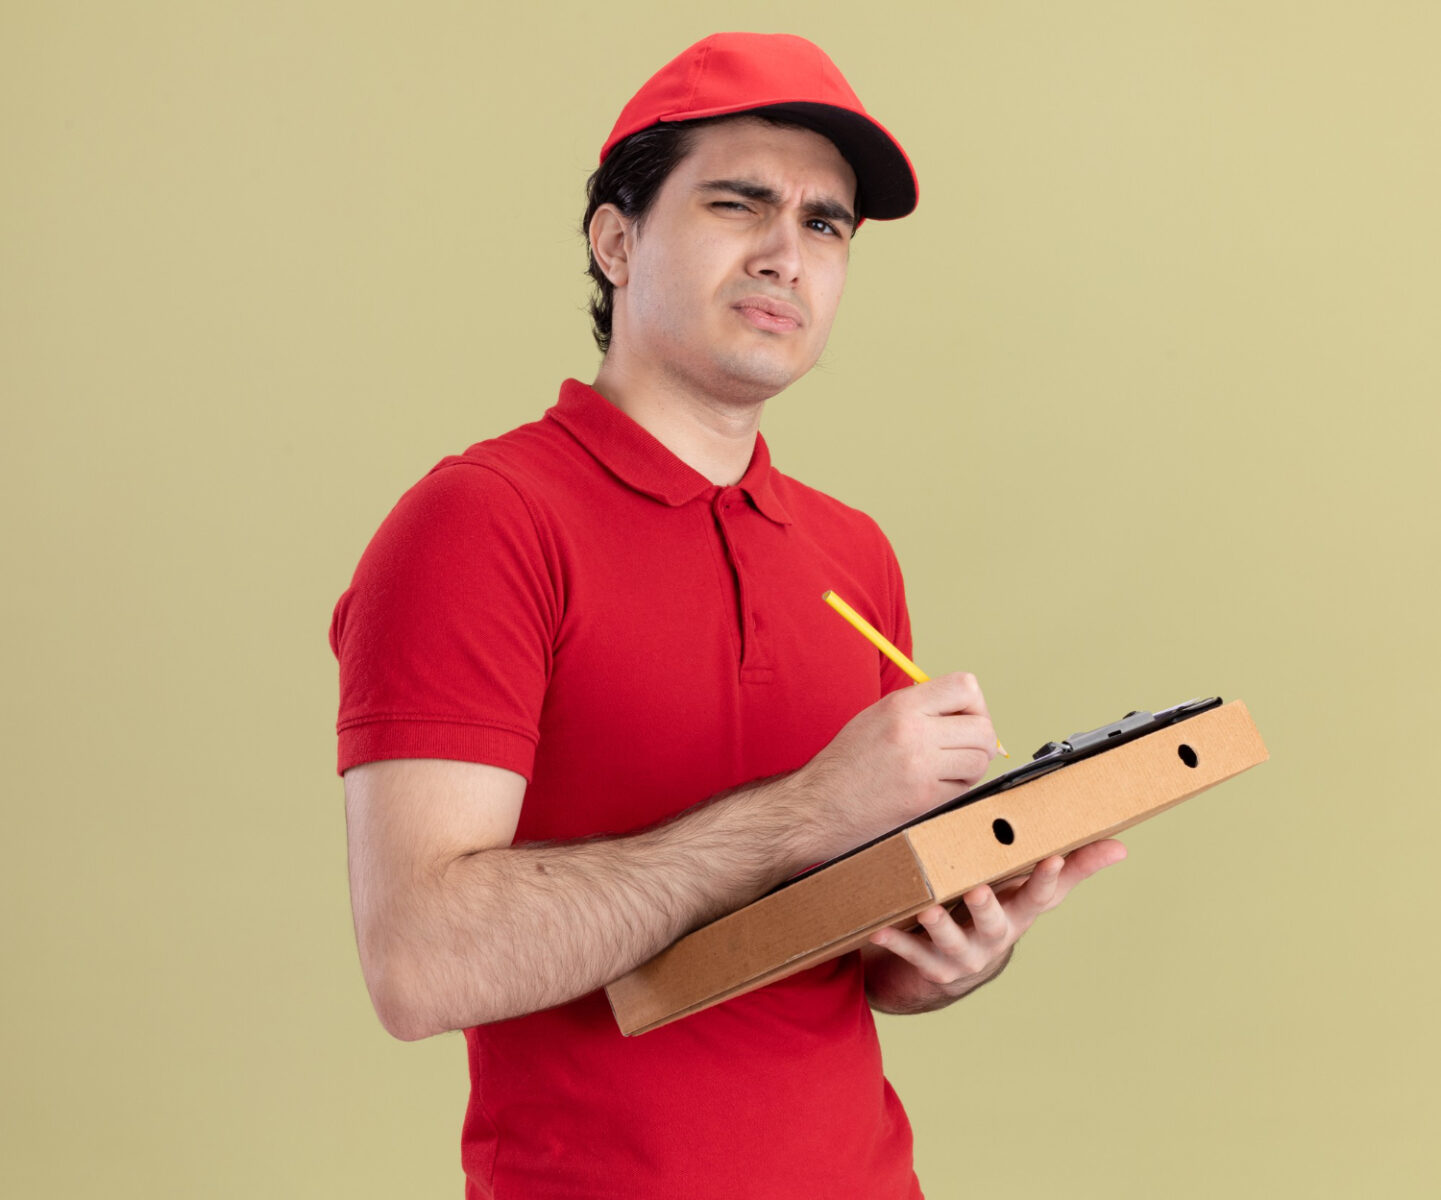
(878, 640)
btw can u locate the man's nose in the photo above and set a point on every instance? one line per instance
(778, 254)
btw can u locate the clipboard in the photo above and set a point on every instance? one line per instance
(1090, 786)
(1050, 757)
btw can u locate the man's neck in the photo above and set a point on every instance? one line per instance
(708, 434)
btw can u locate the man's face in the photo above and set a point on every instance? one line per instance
(734, 275)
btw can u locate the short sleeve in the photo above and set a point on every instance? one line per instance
(445, 635)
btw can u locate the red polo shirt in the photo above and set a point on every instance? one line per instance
(573, 602)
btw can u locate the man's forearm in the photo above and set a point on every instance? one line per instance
(507, 931)
(452, 938)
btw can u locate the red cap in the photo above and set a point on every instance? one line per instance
(731, 73)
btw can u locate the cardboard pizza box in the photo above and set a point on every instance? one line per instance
(836, 908)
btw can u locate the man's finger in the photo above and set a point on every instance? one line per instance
(945, 933)
(1085, 861)
(965, 731)
(958, 692)
(923, 954)
(988, 916)
(1040, 892)
(962, 766)
(1053, 878)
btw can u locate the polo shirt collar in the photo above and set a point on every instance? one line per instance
(639, 461)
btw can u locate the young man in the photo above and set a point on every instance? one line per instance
(590, 698)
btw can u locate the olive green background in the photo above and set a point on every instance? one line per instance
(1144, 393)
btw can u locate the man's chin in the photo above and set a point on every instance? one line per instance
(757, 377)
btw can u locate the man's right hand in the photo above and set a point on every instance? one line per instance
(905, 754)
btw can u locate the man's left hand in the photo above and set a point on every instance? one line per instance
(947, 957)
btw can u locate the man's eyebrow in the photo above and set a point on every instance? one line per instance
(824, 206)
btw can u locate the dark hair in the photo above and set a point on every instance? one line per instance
(630, 178)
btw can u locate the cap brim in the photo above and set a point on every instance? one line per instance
(885, 180)
(886, 185)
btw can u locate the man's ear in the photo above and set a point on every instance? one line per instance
(609, 243)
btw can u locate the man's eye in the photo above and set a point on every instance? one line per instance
(823, 226)
(730, 204)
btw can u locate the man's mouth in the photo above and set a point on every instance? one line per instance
(774, 316)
